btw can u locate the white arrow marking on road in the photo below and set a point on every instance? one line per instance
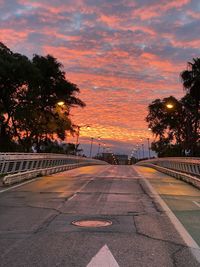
(103, 258)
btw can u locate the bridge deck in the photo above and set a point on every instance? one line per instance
(36, 229)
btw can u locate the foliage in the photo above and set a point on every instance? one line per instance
(191, 83)
(178, 129)
(49, 146)
(29, 94)
(174, 128)
(191, 79)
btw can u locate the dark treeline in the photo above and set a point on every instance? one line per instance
(177, 130)
(35, 103)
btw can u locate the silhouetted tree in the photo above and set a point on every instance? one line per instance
(191, 83)
(29, 94)
(174, 127)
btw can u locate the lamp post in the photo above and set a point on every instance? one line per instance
(92, 139)
(104, 147)
(149, 148)
(98, 149)
(78, 134)
(143, 151)
(99, 144)
(138, 153)
(78, 131)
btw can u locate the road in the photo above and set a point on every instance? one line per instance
(181, 198)
(36, 222)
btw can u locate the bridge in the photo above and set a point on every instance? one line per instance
(59, 210)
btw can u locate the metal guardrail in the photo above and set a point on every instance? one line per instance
(22, 166)
(186, 165)
(20, 162)
(187, 169)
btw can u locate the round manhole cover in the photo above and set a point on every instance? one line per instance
(92, 223)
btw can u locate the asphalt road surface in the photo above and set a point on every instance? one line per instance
(182, 198)
(36, 221)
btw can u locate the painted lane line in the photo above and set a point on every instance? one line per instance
(71, 197)
(80, 189)
(196, 203)
(83, 186)
(103, 258)
(33, 180)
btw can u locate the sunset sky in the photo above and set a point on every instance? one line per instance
(122, 54)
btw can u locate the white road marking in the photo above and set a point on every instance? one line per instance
(103, 258)
(18, 185)
(195, 249)
(196, 203)
(71, 197)
(39, 178)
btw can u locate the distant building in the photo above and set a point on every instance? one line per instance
(122, 159)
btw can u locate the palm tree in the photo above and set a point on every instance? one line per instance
(191, 83)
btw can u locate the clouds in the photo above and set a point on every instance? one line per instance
(122, 54)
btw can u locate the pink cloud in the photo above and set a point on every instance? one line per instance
(12, 37)
(157, 9)
(119, 53)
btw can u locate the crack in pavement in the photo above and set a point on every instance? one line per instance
(46, 223)
(156, 205)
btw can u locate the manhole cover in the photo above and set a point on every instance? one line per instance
(92, 223)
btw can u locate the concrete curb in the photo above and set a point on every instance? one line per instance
(28, 175)
(178, 175)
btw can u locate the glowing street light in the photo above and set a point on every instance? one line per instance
(169, 105)
(61, 103)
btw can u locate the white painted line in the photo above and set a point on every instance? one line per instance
(33, 180)
(21, 184)
(71, 197)
(196, 203)
(83, 186)
(103, 258)
(189, 241)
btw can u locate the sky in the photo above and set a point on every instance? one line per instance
(122, 54)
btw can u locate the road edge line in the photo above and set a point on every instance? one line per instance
(187, 238)
(21, 184)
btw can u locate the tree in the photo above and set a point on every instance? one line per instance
(191, 83)
(15, 70)
(29, 94)
(173, 128)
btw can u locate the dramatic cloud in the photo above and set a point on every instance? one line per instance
(122, 54)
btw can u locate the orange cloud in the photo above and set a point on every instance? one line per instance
(121, 54)
(12, 37)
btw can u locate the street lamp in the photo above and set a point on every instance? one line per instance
(138, 152)
(104, 147)
(98, 149)
(143, 151)
(60, 103)
(149, 148)
(78, 134)
(92, 139)
(78, 131)
(169, 105)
